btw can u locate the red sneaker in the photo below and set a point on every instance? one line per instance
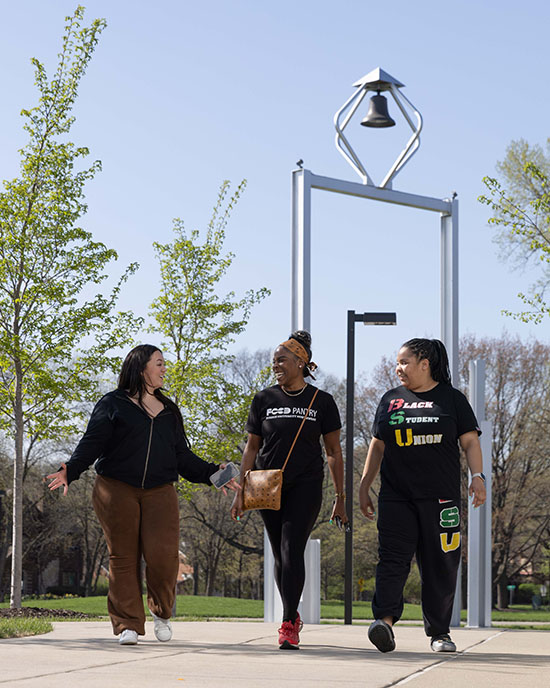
(298, 625)
(288, 636)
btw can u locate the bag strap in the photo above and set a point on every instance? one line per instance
(300, 429)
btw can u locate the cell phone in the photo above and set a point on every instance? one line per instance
(224, 475)
(346, 526)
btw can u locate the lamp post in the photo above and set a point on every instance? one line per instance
(366, 319)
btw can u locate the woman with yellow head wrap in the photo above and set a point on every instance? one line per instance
(275, 416)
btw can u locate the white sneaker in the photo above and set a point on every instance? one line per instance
(442, 643)
(128, 637)
(163, 628)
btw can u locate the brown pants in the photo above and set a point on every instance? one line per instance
(138, 522)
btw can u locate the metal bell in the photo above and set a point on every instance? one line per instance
(378, 115)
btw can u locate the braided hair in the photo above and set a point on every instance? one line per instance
(434, 351)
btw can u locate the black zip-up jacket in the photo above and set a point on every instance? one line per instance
(130, 446)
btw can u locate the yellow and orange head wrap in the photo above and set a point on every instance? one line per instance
(294, 346)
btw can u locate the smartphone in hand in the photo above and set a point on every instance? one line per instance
(224, 475)
(346, 526)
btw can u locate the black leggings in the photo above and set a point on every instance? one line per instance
(288, 530)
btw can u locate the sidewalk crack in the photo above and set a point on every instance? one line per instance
(420, 672)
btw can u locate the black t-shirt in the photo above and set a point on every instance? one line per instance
(276, 417)
(420, 431)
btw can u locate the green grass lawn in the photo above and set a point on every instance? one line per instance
(520, 612)
(334, 609)
(188, 606)
(197, 607)
(18, 628)
(87, 605)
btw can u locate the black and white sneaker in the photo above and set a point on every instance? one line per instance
(442, 643)
(381, 635)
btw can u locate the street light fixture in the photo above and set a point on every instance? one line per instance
(366, 319)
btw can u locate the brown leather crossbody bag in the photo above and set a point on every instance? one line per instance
(262, 488)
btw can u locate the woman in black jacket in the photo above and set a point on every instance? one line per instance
(136, 437)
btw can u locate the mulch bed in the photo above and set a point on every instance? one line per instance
(36, 612)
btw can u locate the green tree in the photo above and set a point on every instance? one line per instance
(521, 213)
(198, 326)
(518, 405)
(212, 387)
(53, 340)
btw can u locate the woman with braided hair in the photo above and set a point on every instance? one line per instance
(275, 415)
(416, 434)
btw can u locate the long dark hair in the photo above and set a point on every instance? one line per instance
(435, 353)
(131, 378)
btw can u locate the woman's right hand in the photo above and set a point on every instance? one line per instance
(365, 503)
(59, 479)
(370, 471)
(237, 506)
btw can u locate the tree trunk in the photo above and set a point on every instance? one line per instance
(17, 531)
(4, 543)
(240, 579)
(196, 578)
(209, 582)
(3, 554)
(212, 573)
(502, 593)
(87, 581)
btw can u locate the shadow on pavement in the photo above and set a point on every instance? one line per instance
(150, 648)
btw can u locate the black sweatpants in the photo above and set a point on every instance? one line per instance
(288, 530)
(429, 528)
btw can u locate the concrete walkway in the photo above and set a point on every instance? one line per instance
(245, 655)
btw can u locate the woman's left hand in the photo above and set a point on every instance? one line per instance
(469, 442)
(237, 506)
(339, 509)
(477, 491)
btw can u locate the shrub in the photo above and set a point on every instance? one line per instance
(525, 591)
(58, 591)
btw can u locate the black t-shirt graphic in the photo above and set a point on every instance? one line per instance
(276, 417)
(420, 431)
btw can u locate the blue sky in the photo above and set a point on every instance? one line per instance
(181, 95)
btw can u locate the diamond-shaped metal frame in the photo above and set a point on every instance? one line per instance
(377, 80)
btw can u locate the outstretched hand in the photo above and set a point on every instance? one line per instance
(59, 479)
(232, 485)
